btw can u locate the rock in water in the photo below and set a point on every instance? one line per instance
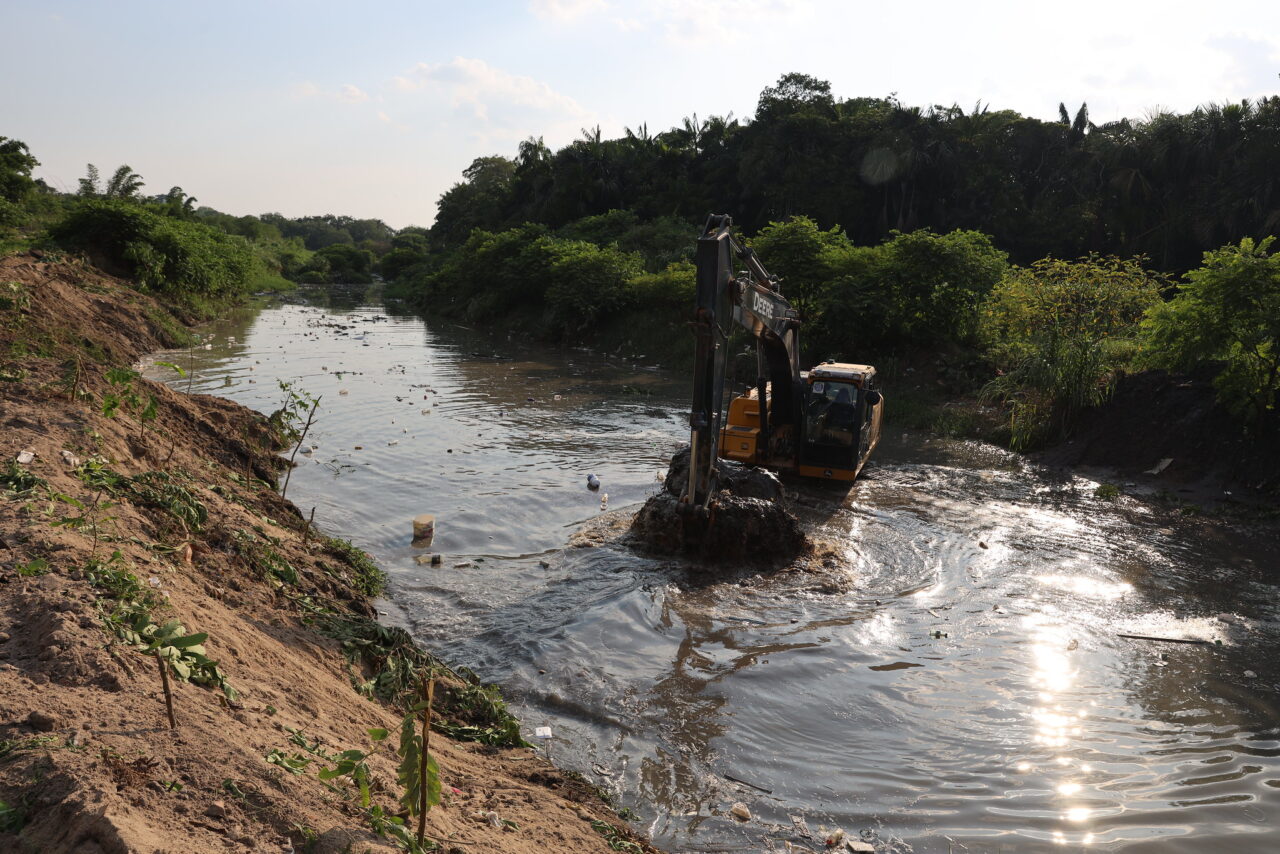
(746, 519)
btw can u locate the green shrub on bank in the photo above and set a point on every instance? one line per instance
(1058, 331)
(528, 275)
(185, 260)
(581, 281)
(1227, 311)
(917, 289)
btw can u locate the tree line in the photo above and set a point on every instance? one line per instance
(1169, 186)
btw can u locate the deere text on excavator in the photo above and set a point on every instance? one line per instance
(820, 423)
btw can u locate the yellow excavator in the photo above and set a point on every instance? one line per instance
(820, 423)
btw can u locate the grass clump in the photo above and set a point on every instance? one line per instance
(369, 579)
(19, 482)
(156, 489)
(470, 711)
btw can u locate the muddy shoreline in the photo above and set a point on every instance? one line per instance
(165, 509)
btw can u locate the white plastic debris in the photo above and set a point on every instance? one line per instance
(740, 812)
(70, 458)
(542, 732)
(1160, 466)
(394, 442)
(25, 456)
(858, 846)
(1250, 674)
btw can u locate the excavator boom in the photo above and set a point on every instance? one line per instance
(753, 301)
(821, 423)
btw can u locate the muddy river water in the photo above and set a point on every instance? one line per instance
(958, 683)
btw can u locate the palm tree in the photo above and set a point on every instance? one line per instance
(124, 184)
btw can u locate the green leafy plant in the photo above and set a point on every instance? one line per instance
(19, 482)
(263, 558)
(294, 763)
(38, 566)
(1052, 330)
(614, 837)
(1226, 311)
(158, 489)
(11, 818)
(397, 666)
(184, 653)
(122, 393)
(368, 579)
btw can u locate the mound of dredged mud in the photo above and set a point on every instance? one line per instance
(745, 521)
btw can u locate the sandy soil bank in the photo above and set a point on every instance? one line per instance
(134, 520)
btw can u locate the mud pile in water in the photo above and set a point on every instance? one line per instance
(746, 520)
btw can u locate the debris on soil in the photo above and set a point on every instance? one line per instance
(745, 521)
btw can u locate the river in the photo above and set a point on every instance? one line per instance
(956, 683)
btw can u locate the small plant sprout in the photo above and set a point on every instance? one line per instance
(311, 416)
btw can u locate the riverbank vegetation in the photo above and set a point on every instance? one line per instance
(195, 256)
(974, 254)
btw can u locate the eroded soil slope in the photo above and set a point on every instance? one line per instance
(168, 513)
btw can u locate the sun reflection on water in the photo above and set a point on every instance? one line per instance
(1054, 673)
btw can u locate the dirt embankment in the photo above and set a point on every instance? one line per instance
(121, 523)
(1172, 425)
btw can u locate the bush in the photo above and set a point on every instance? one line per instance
(1227, 311)
(800, 254)
(186, 260)
(672, 289)
(1055, 330)
(918, 288)
(582, 281)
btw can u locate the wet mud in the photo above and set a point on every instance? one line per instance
(746, 521)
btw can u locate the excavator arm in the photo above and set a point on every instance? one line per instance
(753, 301)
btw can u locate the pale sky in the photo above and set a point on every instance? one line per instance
(374, 109)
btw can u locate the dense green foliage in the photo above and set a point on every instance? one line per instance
(1057, 330)
(1169, 186)
(562, 286)
(16, 164)
(892, 228)
(167, 255)
(1227, 311)
(170, 245)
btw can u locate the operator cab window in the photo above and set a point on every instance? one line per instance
(831, 413)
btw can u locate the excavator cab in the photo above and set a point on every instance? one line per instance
(841, 420)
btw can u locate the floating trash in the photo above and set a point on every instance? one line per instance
(424, 529)
(593, 482)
